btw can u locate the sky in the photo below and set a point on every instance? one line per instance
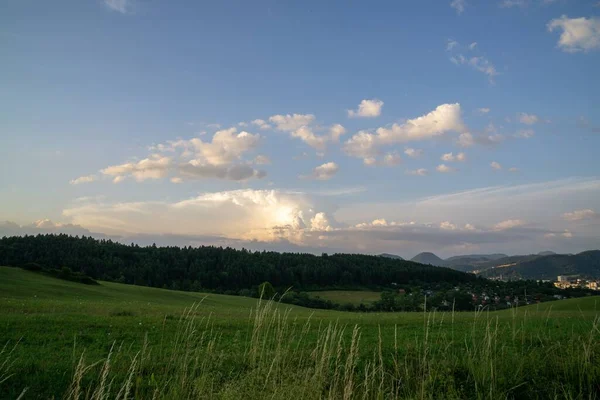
(451, 126)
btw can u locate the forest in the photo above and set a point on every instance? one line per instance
(240, 272)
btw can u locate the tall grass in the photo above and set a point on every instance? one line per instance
(280, 357)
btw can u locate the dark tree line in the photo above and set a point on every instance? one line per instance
(217, 269)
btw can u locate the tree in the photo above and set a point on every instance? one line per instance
(266, 291)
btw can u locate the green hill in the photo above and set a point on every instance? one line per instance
(585, 265)
(230, 347)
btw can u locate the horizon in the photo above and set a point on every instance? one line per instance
(314, 128)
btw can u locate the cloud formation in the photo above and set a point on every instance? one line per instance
(445, 118)
(579, 215)
(220, 158)
(83, 179)
(367, 109)
(323, 172)
(578, 34)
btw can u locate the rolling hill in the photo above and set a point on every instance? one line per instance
(585, 265)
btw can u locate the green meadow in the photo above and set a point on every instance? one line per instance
(111, 341)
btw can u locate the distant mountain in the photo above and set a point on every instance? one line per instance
(428, 258)
(586, 265)
(477, 257)
(546, 253)
(393, 256)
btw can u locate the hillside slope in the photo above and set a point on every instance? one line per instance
(428, 258)
(585, 265)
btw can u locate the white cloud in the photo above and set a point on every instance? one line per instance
(495, 165)
(513, 169)
(324, 172)
(459, 5)
(472, 46)
(445, 118)
(261, 123)
(443, 168)
(579, 215)
(83, 179)
(447, 225)
(291, 122)
(567, 234)
(525, 133)
(176, 179)
(483, 110)
(528, 119)
(509, 224)
(479, 63)
(122, 6)
(413, 153)
(450, 157)
(265, 215)
(418, 172)
(221, 158)
(578, 34)
(336, 131)
(299, 126)
(243, 124)
(367, 109)
(214, 126)
(155, 167)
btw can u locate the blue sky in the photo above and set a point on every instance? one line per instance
(146, 102)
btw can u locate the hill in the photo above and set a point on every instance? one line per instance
(428, 258)
(393, 256)
(585, 265)
(215, 350)
(216, 269)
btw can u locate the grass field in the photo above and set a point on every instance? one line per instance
(355, 297)
(68, 340)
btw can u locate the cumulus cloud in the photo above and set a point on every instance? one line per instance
(388, 160)
(323, 172)
(495, 165)
(528, 119)
(445, 118)
(458, 5)
(579, 215)
(83, 179)
(450, 157)
(443, 168)
(417, 172)
(367, 109)
(578, 34)
(301, 126)
(220, 158)
(291, 122)
(509, 224)
(261, 123)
